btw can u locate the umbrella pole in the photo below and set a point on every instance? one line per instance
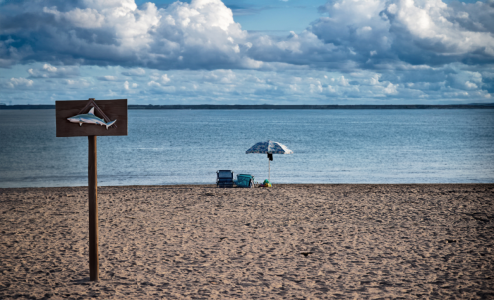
(269, 170)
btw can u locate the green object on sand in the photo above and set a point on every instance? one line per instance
(266, 183)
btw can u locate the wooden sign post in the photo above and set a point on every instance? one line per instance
(92, 118)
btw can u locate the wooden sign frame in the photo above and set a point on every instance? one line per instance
(107, 110)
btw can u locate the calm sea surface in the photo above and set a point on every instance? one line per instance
(188, 146)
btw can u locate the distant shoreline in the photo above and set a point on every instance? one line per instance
(270, 107)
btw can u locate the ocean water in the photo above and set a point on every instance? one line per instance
(188, 147)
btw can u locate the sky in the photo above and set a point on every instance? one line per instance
(247, 52)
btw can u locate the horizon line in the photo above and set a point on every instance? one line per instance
(273, 106)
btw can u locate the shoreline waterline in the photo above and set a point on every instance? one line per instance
(212, 185)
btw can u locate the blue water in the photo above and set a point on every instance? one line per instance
(188, 146)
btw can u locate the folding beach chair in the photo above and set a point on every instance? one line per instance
(245, 180)
(224, 178)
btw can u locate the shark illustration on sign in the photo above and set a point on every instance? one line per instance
(90, 118)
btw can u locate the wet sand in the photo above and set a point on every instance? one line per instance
(290, 241)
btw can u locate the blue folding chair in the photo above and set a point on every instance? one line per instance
(224, 179)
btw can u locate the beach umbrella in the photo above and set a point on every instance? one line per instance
(270, 148)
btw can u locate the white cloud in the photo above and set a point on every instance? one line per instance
(256, 87)
(153, 83)
(429, 24)
(50, 68)
(82, 18)
(465, 80)
(76, 84)
(128, 86)
(135, 72)
(391, 89)
(470, 85)
(198, 35)
(374, 80)
(107, 78)
(417, 32)
(19, 82)
(316, 88)
(49, 71)
(343, 81)
(220, 76)
(164, 79)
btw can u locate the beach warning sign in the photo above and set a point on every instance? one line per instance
(92, 118)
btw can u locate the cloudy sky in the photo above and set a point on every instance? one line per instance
(247, 52)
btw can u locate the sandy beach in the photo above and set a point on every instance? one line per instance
(287, 242)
